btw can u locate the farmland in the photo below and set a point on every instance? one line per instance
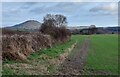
(101, 57)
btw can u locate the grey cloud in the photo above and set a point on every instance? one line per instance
(110, 8)
(28, 5)
(39, 10)
(31, 3)
(62, 7)
(95, 9)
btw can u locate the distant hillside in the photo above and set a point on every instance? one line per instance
(113, 29)
(27, 25)
(100, 30)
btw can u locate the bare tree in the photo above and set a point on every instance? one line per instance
(55, 25)
(57, 20)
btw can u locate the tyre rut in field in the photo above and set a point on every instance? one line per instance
(73, 65)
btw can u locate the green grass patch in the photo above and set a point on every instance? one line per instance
(56, 50)
(80, 39)
(7, 71)
(103, 54)
(11, 61)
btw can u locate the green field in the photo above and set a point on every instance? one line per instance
(103, 54)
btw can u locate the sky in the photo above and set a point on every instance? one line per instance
(77, 13)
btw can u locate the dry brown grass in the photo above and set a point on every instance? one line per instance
(18, 47)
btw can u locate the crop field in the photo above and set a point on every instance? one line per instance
(101, 57)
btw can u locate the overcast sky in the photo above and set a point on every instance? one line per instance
(77, 13)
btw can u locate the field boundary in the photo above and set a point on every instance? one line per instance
(45, 66)
(74, 64)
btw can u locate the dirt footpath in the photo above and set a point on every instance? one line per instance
(73, 65)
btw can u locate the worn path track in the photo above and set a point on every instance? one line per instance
(73, 65)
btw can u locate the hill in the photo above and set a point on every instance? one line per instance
(27, 25)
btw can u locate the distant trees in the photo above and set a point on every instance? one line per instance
(55, 25)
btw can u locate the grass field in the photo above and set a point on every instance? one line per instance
(103, 54)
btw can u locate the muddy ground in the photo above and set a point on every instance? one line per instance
(75, 62)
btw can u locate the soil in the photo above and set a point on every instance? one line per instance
(74, 64)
